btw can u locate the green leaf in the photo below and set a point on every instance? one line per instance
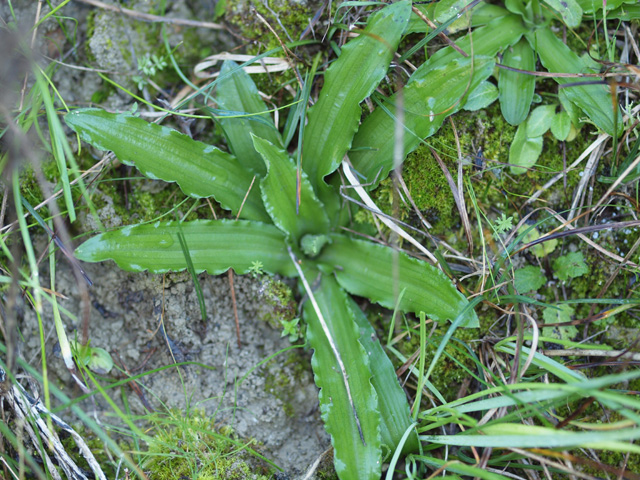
(569, 9)
(375, 139)
(590, 6)
(447, 9)
(312, 245)
(428, 100)
(516, 89)
(559, 314)
(484, 95)
(214, 246)
(519, 8)
(279, 194)
(524, 151)
(392, 400)
(561, 126)
(594, 100)
(529, 278)
(362, 64)
(381, 273)
(540, 120)
(570, 107)
(350, 415)
(417, 24)
(163, 153)
(238, 93)
(485, 41)
(503, 435)
(502, 224)
(541, 249)
(97, 359)
(482, 14)
(571, 265)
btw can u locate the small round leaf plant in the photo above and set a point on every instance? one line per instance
(292, 219)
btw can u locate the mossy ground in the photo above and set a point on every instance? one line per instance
(282, 383)
(190, 440)
(288, 19)
(191, 445)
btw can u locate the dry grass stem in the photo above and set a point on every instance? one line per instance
(147, 17)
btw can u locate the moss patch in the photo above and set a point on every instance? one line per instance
(192, 446)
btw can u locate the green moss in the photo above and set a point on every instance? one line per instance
(281, 381)
(278, 302)
(288, 19)
(29, 187)
(193, 446)
(427, 185)
(97, 447)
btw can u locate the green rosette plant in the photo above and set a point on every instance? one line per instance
(291, 220)
(584, 100)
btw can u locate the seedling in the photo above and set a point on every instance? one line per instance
(149, 65)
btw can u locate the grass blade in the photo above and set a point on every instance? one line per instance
(507, 435)
(193, 273)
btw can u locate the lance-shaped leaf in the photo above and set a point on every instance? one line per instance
(380, 273)
(488, 40)
(594, 100)
(570, 10)
(428, 101)
(348, 401)
(214, 246)
(280, 196)
(376, 139)
(516, 89)
(162, 153)
(239, 96)
(392, 401)
(363, 62)
(449, 9)
(482, 14)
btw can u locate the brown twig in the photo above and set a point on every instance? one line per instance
(147, 17)
(235, 305)
(579, 231)
(458, 193)
(432, 25)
